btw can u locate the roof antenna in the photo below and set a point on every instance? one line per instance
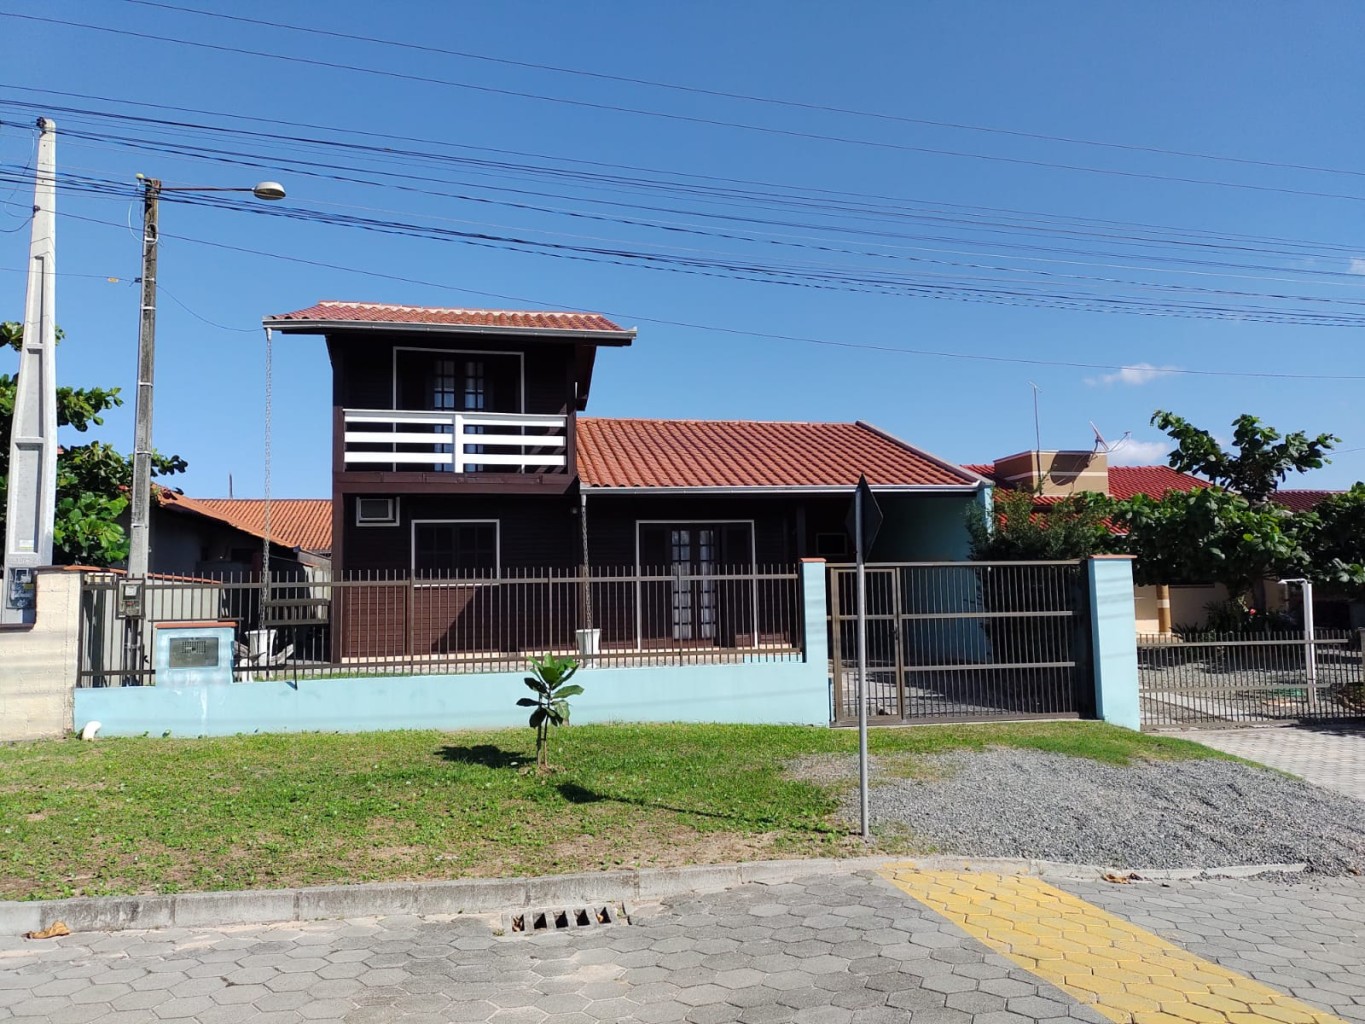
(229, 485)
(1037, 441)
(1101, 445)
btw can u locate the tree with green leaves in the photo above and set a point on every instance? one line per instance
(1262, 460)
(1211, 535)
(1075, 527)
(1334, 533)
(1230, 532)
(92, 479)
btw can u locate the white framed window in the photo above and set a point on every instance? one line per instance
(371, 511)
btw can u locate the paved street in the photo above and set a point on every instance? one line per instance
(828, 950)
(1331, 756)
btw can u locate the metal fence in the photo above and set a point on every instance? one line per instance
(963, 641)
(1236, 678)
(400, 624)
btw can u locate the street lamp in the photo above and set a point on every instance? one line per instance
(140, 517)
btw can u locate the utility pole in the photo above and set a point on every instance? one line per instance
(139, 534)
(31, 502)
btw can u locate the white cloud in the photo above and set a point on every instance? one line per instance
(1356, 266)
(1135, 375)
(1140, 453)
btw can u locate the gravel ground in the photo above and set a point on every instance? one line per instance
(1153, 814)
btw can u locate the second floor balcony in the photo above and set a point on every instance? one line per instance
(442, 441)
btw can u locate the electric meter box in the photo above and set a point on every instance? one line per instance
(193, 653)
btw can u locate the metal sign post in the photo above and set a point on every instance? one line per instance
(866, 520)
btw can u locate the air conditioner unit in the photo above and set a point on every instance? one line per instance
(193, 653)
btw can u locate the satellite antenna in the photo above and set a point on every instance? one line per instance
(1101, 445)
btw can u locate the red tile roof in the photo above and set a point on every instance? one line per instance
(294, 522)
(334, 311)
(986, 469)
(745, 453)
(1301, 501)
(1153, 481)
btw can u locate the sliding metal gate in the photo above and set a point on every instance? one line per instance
(963, 641)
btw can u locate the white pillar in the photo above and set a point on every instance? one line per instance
(30, 507)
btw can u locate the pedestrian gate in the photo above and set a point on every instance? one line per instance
(963, 641)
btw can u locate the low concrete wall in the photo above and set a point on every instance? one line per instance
(38, 662)
(794, 691)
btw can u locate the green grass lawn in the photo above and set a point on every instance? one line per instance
(164, 815)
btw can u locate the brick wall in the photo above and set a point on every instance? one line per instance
(38, 662)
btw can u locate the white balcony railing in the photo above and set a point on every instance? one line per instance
(460, 442)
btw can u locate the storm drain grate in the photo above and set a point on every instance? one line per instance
(560, 919)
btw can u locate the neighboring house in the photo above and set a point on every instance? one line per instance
(1301, 500)
(458, 450)
(221, 536)
(1056, 475)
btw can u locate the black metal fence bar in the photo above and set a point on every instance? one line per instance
(1226, 679)
(962, 640)
(372, 623)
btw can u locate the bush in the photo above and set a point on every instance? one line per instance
(1225, 617)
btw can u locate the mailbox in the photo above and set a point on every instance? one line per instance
(193, 653)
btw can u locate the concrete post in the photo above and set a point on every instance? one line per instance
(815, 610)
(1113, 633)
(38, 662)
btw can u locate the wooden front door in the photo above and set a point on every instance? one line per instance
(696, 602)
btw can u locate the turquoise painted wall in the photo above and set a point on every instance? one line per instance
(1113, 630)
(795, 691)
(923, 527)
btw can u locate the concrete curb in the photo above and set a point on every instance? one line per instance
(484, 895)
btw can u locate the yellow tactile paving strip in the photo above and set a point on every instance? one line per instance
(1126, 973)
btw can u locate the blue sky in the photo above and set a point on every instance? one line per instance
(1263, 82)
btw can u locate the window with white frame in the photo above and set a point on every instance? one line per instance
(371, 511)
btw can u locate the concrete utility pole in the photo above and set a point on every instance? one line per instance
(139, 519)
(31, 504)
(139, 534)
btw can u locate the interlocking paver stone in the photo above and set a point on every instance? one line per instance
(825, 951)
(1333, 758)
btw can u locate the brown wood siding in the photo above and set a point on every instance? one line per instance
(612, 519)
(366, 377)
(534, 532)
(364, 370)
(549, 379)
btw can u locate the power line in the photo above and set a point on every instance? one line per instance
(734, 331)
(314, 168)
(835, 279)
(1331, 276)
(687, 118)
(1091, 223)
(721, 94)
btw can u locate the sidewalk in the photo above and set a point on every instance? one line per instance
(1331, 756)
(821, 950)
